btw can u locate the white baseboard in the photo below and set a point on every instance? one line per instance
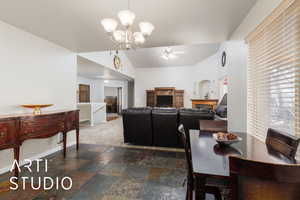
(41, 155)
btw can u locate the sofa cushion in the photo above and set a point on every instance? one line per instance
(190, 117)
(164, 121)
(137, 125)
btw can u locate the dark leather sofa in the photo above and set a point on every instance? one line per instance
(190, 117)
(158, 126)
(137, 125)
(164, 124)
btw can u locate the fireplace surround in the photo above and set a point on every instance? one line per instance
(165, 97)
(164, 101)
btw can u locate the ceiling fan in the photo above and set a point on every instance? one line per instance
(169, 53)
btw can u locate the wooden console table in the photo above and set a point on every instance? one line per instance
(15, 129)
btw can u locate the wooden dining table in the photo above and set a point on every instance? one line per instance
(209, 159)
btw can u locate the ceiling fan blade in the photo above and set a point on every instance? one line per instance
(178, 52)
(172, 55)
(165, 57)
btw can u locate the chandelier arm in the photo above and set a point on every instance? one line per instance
(125, 37)
(112, 39)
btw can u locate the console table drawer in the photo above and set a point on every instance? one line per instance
(7, 133)
(41, 126)
(15, 129)
(72, 120)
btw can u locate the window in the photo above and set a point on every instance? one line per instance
(274, 72)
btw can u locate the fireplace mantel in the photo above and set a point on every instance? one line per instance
(165, 97)
(212, 102)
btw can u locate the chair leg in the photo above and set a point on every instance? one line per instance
(189, 192)
(218, 195)
(200, 188)
(214, 191)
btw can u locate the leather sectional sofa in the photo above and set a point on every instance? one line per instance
(137, 126)
(158, 126)
(164, 127)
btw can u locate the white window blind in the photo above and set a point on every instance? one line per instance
(274, 72)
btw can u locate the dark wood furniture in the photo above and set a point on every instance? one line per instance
(15, 129)
(190, 176)
(213, 126)
(176, 97)
(253, 180)
(84, 93)
(179, 98)
(282, 142)
(111, 104)
(150, 98)
(212, 160)
(212, 102)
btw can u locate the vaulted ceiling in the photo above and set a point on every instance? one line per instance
(75, 24)
(189, 55)
(92, 70)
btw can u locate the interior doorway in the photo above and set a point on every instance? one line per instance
(113, 100)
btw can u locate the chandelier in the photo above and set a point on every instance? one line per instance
(124, 36)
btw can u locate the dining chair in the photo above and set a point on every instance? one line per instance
(213, 126)
(251, 180)
(190, 177)
(282, 142)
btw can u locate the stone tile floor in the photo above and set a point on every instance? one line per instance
(103, 172)
(106, 169)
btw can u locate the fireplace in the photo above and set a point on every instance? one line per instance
(164, 101)
(165, 97)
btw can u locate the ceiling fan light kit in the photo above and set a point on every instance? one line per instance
(169, 53)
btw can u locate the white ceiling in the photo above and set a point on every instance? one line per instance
(75, 24)
(152, 57)
(92, 70)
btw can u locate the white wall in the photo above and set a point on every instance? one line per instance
(237, 84)
(34, 71)
(110, 91)
(105, 58)
(257, 14)
(182, 78)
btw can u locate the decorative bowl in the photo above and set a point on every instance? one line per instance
(36, 107)
(226, 142)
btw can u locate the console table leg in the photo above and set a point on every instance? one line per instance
(77, 139)
(17, 158)
(65, 143)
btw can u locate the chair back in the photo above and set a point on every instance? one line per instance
(213, 126)
(282, 142)
(252, 180)
(188, 153)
